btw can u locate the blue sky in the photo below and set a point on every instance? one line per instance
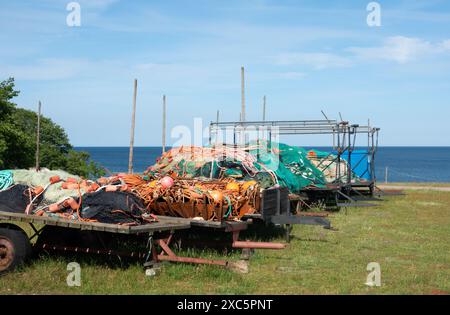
(306, 56)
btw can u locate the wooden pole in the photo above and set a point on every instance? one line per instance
(264, 108)
(38, 134)
(164, 125)
(133, 119)
(242, 95)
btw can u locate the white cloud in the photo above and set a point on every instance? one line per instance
(400, 49)
(316, 60)
(97, 4)
(46, 69)
(445, 45)
(292, 75)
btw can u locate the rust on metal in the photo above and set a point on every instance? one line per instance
(6, 253)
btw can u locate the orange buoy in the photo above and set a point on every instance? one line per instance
(110, 188)
(102, 181)
(248, 184)
(54, 179)
(94, 187)
(216, 195)
(70, 186)
(70, 202)
(71, 180)
(54, 207)
(233, 186)
(38, 190)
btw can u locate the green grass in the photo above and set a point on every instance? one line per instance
(408, 235)
(425, 184)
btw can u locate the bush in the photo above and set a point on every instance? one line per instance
(18, 140)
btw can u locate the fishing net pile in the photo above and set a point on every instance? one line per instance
(60, 194)
(222, 182)
(127, 199)
(267, 163)
(199, 198)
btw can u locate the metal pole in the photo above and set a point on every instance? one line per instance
(386, 175)
(164, 125)
(133, 119)
(242, 95)
(38, 133)
(217, 127)
(264, 108)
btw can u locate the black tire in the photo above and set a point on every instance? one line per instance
(15, 248)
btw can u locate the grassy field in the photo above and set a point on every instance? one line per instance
(409, 236)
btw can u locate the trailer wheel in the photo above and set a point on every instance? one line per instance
(15, 248)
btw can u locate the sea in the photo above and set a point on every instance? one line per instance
(403, 164)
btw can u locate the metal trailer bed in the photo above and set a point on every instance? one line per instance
(16, 248)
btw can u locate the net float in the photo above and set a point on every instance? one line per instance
(232, 186)
(38, 190)
(54, 207)
(102, 181)
(70, 202)
(248, 184)
(94, 187)
(216, 195)
(54, 179)
(71, 180)
(110, 188)
(166, 182)
(153, 183)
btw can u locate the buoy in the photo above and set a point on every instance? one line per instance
(54, 179)
(71, 180)
(38, 190)
(110, 188)
(70, 186)
(233, 186)
(70, 202)
(166, 182)
(248, 184)
(102, 181)
(94, 187)
(54, 207)
(216, 195)
(153, 183)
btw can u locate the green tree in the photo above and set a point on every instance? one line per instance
(18, 140)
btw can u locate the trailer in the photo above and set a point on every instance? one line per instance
(63, 235)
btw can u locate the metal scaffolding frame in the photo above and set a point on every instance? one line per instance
(344, 141)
